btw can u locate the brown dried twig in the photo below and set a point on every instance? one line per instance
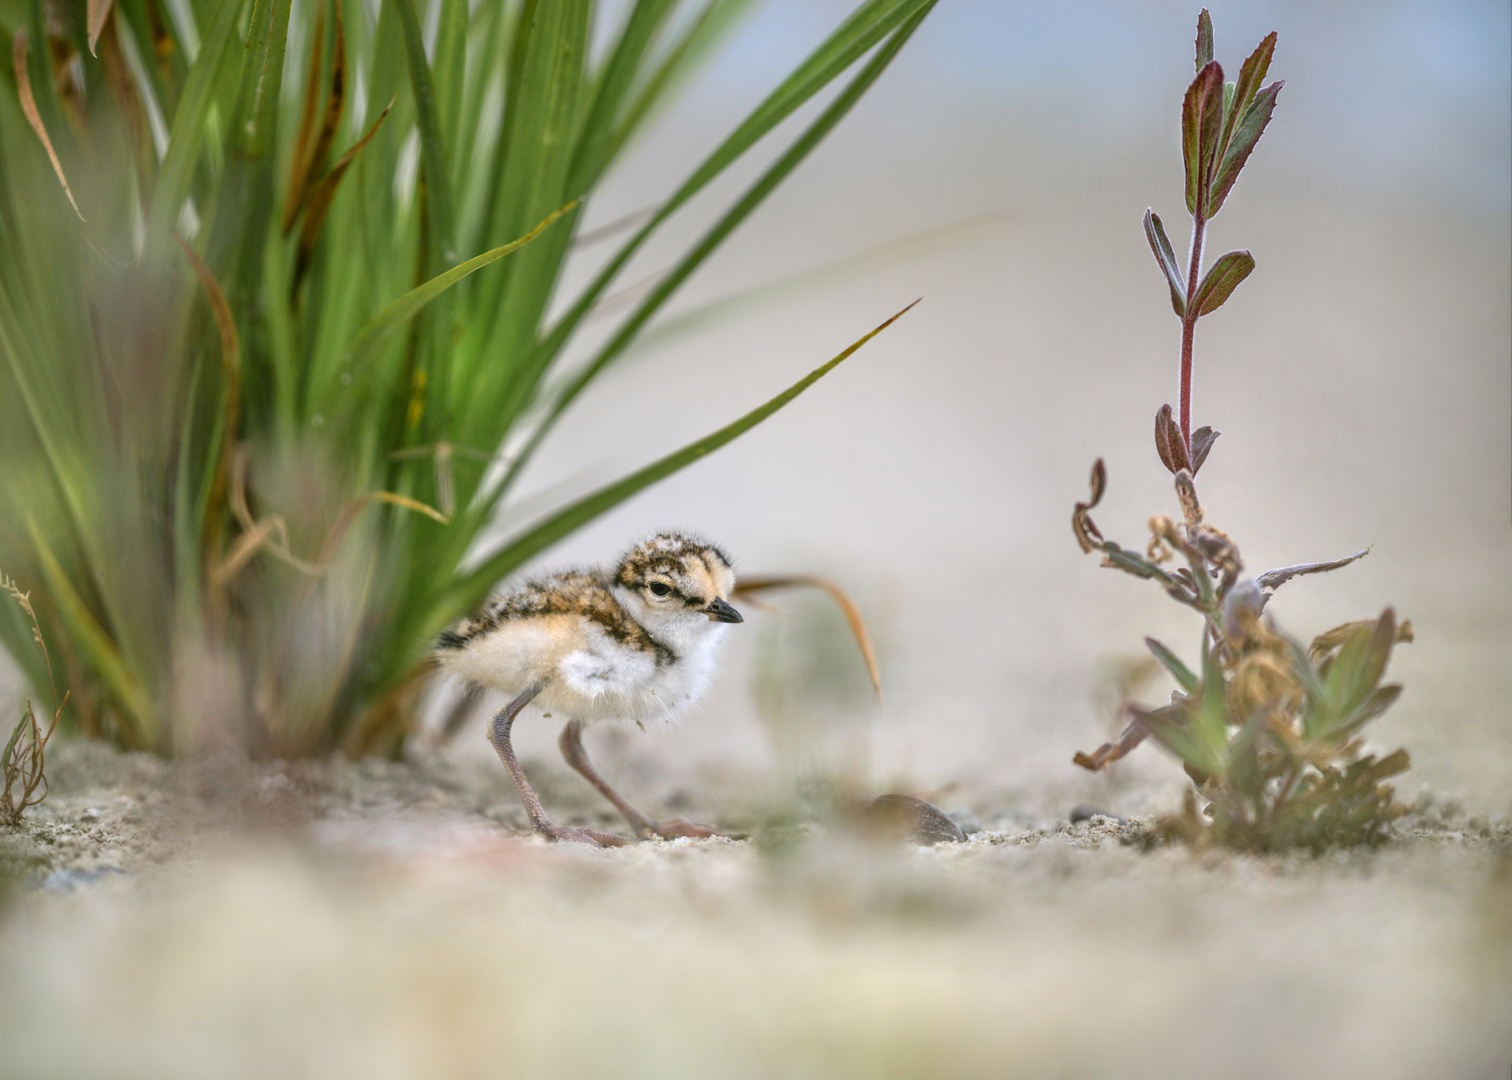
(748, 585)
(23, 761)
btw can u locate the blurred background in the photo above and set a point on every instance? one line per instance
(1360, 376)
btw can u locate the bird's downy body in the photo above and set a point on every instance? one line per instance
(637, 643)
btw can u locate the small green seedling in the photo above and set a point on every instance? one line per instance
(1268, 731)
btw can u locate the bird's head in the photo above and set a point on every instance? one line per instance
(674, 580)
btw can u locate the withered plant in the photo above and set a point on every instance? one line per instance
(1268, 731)
(23, 762)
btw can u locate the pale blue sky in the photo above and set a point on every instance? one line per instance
(1410, 93)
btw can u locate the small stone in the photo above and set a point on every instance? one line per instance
(903, 817)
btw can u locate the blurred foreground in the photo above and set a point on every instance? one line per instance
(375, 922)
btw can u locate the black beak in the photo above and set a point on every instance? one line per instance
(720, 611)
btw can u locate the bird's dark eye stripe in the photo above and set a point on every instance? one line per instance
(693, 601)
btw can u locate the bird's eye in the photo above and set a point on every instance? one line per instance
(659, 588)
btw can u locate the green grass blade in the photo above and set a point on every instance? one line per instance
(595, 145)
(857, 35)
(1172, 663)
(753, 197)
(98, 650)
(187, 133)
(438, 193)
(591, 506)
(395, 315)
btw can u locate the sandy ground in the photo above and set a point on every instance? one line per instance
(387, 920)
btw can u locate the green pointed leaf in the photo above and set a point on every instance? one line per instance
(396, 314)
(1251, 75)
(558, 525)
(97, 647)
(1132, 563)
(1201, 123)
(1378, 701)
(899, 20)
(1172, 726)
(1241, 144)
(433, 160)
(1361, 663)
(451, 74)
(1172, 663)
(187, 135)
(1165, 258)
(1210, 720)
(1204, 40)
(1222, 280)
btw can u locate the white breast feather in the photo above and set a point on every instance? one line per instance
(588, 675)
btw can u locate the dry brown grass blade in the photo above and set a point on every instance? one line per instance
(311, 149)
(231, 373)
(25, 759)
(319, 201)
(747, 585)
(1110, 752)
(128, 99)
(272, 533)
(98, 12)
(34, 118)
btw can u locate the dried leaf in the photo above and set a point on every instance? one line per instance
(311, 148)
(319, 202)
(1087, 534)
(29, 107)
(1110, 752)
(1186, 494)
(231, 376)
(98, 11)
(1168, 442)
(1202, 441)
(747, 585)
(1273, 579)
(1330, 640)
(1165, 258)
(1221, 280)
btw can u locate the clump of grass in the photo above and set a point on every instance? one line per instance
(283, 320)
(23, 762)
(1269, 731)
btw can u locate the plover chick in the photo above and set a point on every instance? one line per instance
(634, 643)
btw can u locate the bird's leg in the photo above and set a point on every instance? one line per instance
(643, 826)
(498, 734)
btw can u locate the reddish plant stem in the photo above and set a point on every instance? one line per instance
(1189, 329)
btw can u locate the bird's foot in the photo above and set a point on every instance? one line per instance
(675, 828)
(591, 837)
